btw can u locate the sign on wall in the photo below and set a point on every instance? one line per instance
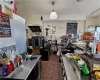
(53, 29)
(7, 7)
(5, 30)
(8, 11)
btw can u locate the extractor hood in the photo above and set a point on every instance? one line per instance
(35, 28)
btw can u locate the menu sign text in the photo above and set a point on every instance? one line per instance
(5, 30)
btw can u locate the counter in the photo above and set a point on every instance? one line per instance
(68, 69)
(72, 70)
(25, 70)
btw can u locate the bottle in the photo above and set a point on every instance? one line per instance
(98, 47)
(4, 71)
(9, 68)
(12, 64)
(15, 62)
(85, 69)
(20, 60)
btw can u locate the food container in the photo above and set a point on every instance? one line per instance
(97, 74)
(96, 67)
(9, 68)
(5, 61)
(88, 36)
(75, 57)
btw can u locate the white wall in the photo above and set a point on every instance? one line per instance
(81, 26)
(63, 24)
(33, 20)
(58, 24)
(91, 21)
(66, 17)
(19, 32)
(97, 20)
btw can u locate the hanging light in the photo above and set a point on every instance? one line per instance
(53, 14)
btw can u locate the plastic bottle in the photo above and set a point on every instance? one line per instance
(12, 64)
(9, 69)
(85, 69)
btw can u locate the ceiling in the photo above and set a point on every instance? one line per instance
(62, 7)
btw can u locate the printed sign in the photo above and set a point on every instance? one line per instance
(5, 30)
(72, 29)
(53, 29)
(8, 11)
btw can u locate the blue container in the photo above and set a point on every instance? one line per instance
(4, 71)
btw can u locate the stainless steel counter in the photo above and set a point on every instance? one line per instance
(23, 71)
(68, 69)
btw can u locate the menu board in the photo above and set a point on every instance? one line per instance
(5, 30)
(72, 28)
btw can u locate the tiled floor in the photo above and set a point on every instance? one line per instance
(51, 70)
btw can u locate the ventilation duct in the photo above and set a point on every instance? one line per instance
(35, 28)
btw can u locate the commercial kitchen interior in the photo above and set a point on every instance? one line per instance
(49, 39)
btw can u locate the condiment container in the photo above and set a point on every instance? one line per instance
(9, 69)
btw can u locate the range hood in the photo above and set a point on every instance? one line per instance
(35, 28)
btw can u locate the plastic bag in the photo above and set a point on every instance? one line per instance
(58, 53)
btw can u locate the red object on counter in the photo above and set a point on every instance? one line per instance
(9, 69)
(12, 64)
(20, 60)
(0, 8)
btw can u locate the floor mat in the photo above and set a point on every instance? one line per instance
(54, 58)
(51, 70)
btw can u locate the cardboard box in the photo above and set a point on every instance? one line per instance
(36, 52)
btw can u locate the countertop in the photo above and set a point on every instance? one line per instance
(23, 71)
(69, 70)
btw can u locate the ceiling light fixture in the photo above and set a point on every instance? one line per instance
(53, 14)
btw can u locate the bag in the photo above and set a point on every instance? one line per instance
(58, 53)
